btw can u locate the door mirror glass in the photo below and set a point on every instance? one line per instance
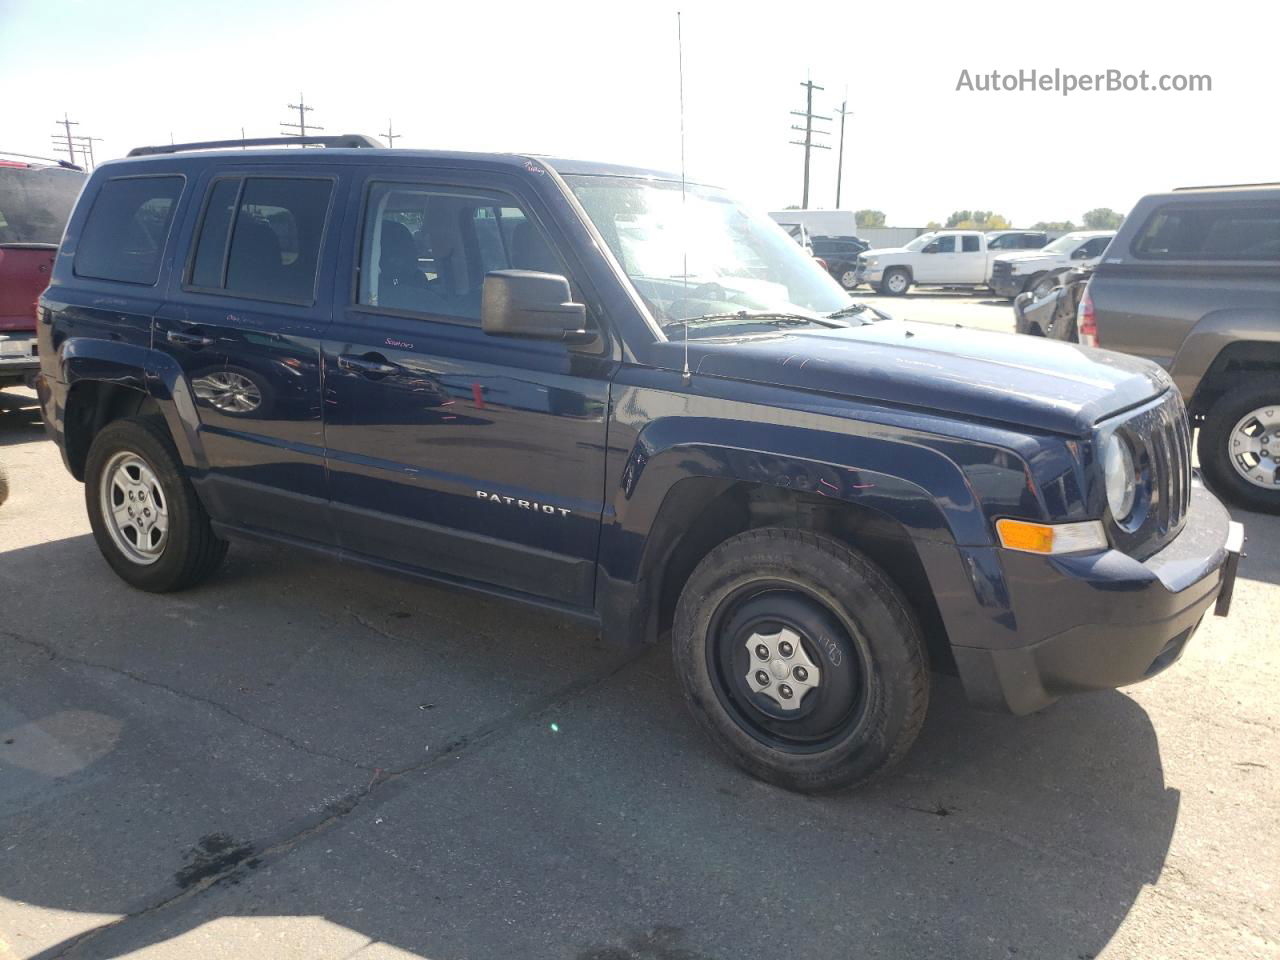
(525, 303)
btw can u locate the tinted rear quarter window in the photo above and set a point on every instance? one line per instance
(124, 236)
(1211, 231)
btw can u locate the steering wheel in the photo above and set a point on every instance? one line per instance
(707, 291)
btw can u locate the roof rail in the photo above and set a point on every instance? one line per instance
(1227, 186)
(346, 140)
(66, 164)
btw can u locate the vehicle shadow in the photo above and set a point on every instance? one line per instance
(613, 833)
(19, 417)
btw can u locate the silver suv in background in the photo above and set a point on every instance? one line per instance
(1192, 281)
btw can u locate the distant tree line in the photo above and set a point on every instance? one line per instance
(1099, 218)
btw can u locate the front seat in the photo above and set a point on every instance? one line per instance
(401, 282)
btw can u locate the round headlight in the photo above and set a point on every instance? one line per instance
(1121, 478)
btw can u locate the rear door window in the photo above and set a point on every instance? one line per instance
(970, 244)
(1211, 231)
(261, 238)
(124, 236)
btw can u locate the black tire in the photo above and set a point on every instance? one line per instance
(885, 283)
(1214, 444)
(872, 688)
(847, 278)
(191, 551)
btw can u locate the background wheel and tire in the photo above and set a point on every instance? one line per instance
(801, 659)
(146, 518)
(896, 281)
(848, 278)
(1239, 445)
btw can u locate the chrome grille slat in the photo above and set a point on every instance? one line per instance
(1163, 432)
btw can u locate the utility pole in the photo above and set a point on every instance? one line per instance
(807, 129)
(390, 137)
(301, 126)
(66, 123)
(86, 149)
(840, 162)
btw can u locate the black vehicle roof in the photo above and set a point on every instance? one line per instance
(330, 155)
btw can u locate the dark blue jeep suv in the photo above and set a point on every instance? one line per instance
(630, 399)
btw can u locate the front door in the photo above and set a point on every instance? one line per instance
(245, 328)
(475, 457)
(937, 262)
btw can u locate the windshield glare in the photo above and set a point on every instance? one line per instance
(1063, 244)
(737, 260)
(920, 242)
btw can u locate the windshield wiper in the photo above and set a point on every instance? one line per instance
(749, 316)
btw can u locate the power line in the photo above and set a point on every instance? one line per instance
(301, 126)
(840, 162)
(808, 131)
(390, 137)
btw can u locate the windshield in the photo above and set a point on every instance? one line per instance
(35, 203)
(740, 265)
(1064, 244)
(920, 242)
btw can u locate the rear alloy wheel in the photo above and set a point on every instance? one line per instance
(896, 281)
(849, 279)
(1239, 445)
(800, 659)
(146, 518)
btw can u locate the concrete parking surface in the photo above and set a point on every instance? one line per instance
(308, 760)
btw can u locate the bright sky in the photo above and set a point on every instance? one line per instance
(585, 80)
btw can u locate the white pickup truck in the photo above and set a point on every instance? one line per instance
(1018, 271)
(954, 258)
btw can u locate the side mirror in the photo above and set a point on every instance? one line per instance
(539, 306)
(1081, 254)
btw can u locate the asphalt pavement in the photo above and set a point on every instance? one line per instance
(301, 759)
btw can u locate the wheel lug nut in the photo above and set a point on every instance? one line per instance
(762, 651)
(801, 674)
(784, 692)
(786, 649)
(762, 678)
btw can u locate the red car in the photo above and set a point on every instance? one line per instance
(36, 197)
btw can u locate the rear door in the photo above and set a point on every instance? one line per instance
(244, 322)
(971, 264)
(472, 456)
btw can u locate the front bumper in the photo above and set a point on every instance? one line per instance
(866, 274)
(19, 360)
(1099, 621)
(1009, 286)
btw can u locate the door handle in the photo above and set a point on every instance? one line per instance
(369, 364)
(188, 338)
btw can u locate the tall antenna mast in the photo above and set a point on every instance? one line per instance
(684, 222)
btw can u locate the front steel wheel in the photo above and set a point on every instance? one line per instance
(800, 659)
(849, 279)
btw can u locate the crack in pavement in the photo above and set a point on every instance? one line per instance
(385, 783)
(55, 654)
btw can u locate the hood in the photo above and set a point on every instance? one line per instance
(883, 251)
(1027, 381)
(1021, 255)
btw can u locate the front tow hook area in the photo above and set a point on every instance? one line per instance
(1234, 546)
